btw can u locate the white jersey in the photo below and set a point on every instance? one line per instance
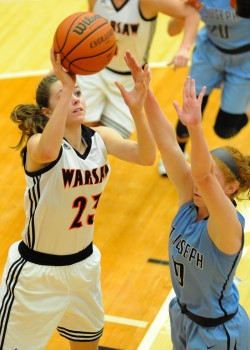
(61, 199)
(133, 31)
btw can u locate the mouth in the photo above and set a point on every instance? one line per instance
(78, 110)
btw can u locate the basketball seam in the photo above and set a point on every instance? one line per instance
(66, 37)
(83, 40)
(87, 57)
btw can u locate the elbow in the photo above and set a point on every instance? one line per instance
(148, 161)
(201, 179)
(49, 156)
(175, 27)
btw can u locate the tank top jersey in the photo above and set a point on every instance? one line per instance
(202, 275)
(223, 27)
(132, 30)
(61, 199)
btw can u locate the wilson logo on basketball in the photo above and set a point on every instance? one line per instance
(86, 43)
(102, 39)
(82, 26)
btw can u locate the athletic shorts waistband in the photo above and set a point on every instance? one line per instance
(40, 258)
(235, 51)
(204, 321)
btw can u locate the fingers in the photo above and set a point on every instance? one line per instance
(186, 88)
(202, 93)
(192, 89)
(131, 62)
(177, 107)
(55, 58)
(189, 90)
(120, 87)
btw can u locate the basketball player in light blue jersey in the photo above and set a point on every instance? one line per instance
(52, 276)
(207, 234)
(134, 23)
(221, 59)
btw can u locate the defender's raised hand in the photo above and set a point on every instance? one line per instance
(135, 98)
(190, 114)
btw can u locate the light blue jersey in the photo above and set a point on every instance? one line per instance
(203, 280)
(223, 27)
(230, 69)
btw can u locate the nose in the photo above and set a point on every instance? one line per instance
(75, 99)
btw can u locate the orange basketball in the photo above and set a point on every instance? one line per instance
(86, 43)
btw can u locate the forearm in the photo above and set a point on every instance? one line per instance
(53, 133)
(200, 155)
(145, 141)
(191, 25)
(162, 129)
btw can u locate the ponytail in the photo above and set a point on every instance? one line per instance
(29, 117)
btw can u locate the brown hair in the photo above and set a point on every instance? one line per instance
(29, 117)
(243, 166)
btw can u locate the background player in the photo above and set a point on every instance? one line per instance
(134, 23)
(221, 59)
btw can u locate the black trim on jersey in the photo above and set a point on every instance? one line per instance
(34, 196)
(87, 134)
(40, 258)
(236, 51)
(118, 72)
(204, 321)
(79, 336)
(124, 72)
(121, 7)
(43, 170)
(233, 265)
(8, 299)
(146, 19)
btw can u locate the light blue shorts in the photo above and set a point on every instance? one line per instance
(187, 335)
(230, 72)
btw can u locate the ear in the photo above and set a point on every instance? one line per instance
(46, 111)
(232, 188)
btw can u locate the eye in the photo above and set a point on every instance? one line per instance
(78, 93)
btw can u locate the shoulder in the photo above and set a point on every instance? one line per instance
(106, 132)
(148, 9)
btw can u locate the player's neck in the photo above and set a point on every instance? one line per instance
(119, 3)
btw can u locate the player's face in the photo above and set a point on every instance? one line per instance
(77, 105)
(198, 200)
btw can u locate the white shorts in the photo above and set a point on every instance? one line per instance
(37, 299)
(104, 101)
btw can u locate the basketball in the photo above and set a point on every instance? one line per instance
(86, 43)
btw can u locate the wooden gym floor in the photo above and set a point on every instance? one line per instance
(137, 207)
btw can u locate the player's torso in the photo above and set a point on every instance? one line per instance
(133, 32)
(224, 27)
(61, 200)
(200, 273)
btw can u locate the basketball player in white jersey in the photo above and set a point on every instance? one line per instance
(52, 277)
(134, 23)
